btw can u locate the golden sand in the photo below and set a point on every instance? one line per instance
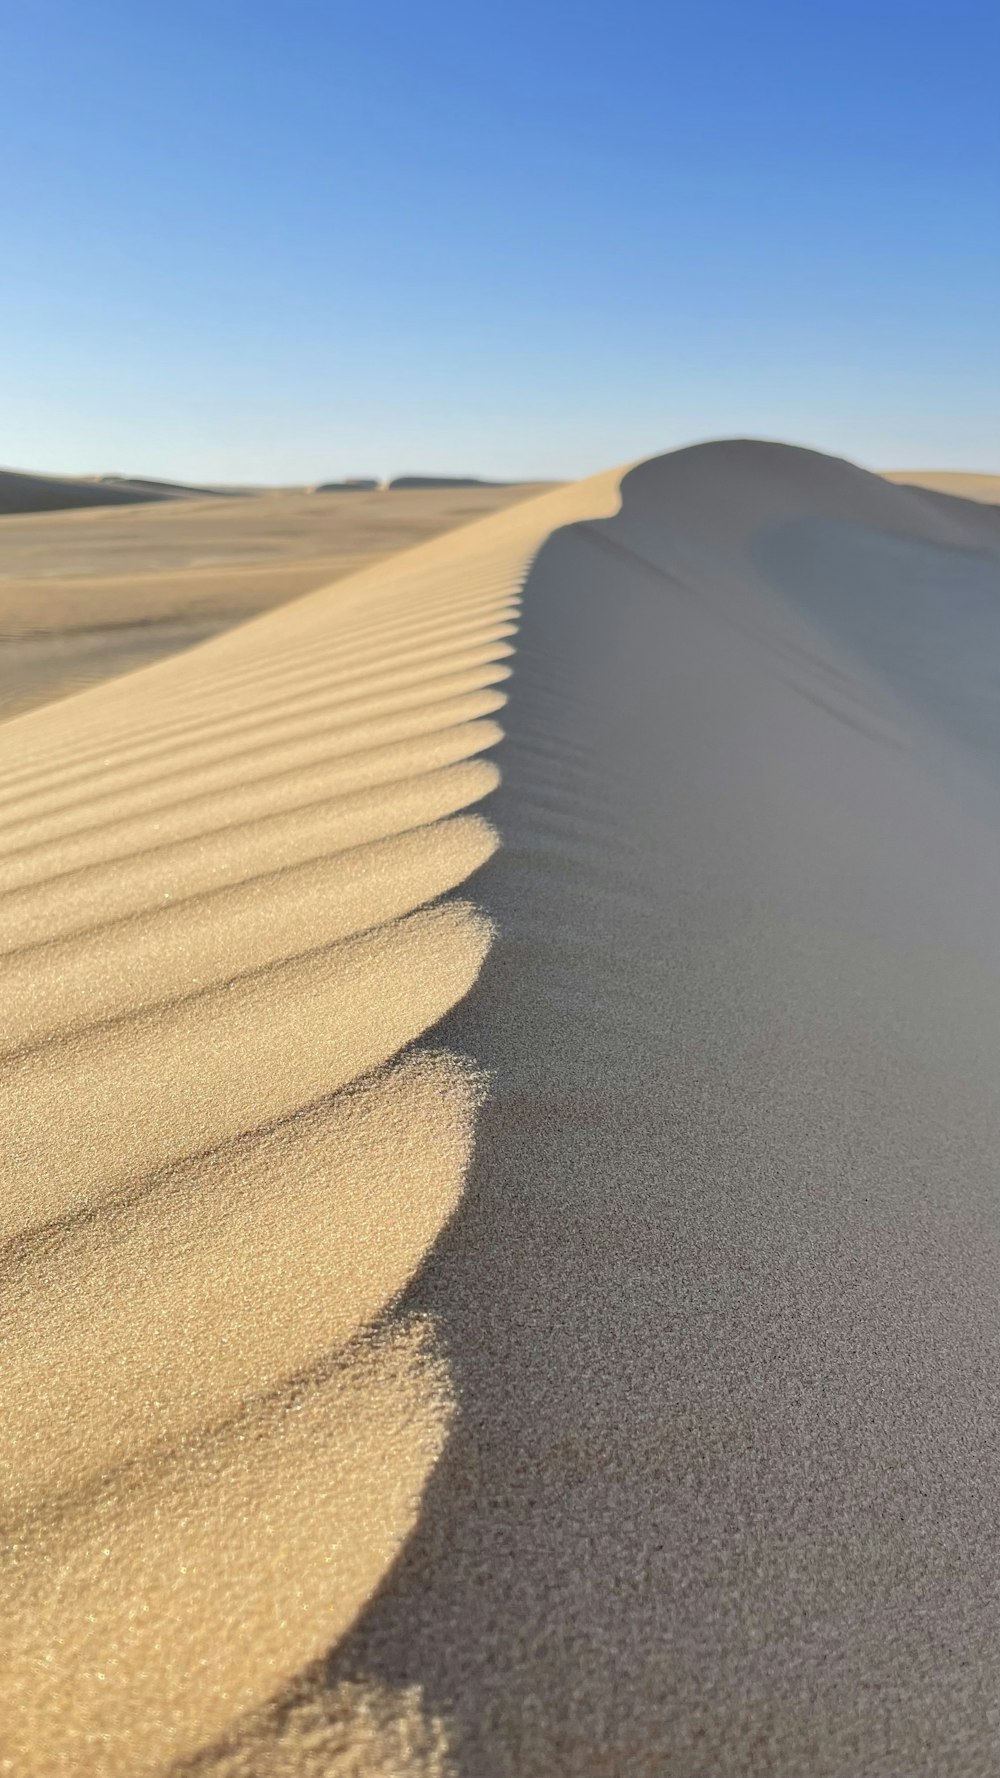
(509, 1286)
(961, 484)
(221, 923)
(102, 590)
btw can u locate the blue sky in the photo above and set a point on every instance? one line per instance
(298, 240)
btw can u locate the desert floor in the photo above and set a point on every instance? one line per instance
(501, 1246)
(89, 593)
(966, 486)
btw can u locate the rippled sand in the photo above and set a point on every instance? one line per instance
(87, 594)
(502, 1250)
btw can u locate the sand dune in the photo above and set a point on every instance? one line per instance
(222, 925)
(511, 1287)
(92, 593)
(442, 481)
(20, 492)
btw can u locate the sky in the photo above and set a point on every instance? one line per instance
(291, 241)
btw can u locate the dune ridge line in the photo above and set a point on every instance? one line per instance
(502, 1248)
(226, 910)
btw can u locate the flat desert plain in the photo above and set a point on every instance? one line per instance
(962, 483)
(501, 1238)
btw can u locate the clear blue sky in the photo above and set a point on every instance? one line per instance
(294, 240)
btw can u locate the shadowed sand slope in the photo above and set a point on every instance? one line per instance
(520, 1293)
(20, 492)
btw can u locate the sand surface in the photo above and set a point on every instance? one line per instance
(23, 492)
(91, 593)
(512, 1286)
(962, 484)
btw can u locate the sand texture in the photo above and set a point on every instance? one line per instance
(501, 1238)
(100, 591)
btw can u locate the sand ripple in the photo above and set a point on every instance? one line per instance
(227, 912)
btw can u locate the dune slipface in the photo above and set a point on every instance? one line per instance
(516, 1291)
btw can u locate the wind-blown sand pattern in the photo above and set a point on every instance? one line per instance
(87, 594)
(222, 923)
(513, 1290)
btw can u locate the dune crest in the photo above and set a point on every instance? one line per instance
(25, 492)
(104, 590)
(226, 906)
(720, 1297)
(535, 1269)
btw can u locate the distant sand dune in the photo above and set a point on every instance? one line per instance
(52, 493)
(513, 1290)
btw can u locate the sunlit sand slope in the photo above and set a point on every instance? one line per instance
(227, 912)
(721, 1299)
(88, 594)
(514, 1288)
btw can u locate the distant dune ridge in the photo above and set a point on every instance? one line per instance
(169, 490)
(501, 1240)
(21, 492)
(50, 493)
(443, 481)
(356, 484)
